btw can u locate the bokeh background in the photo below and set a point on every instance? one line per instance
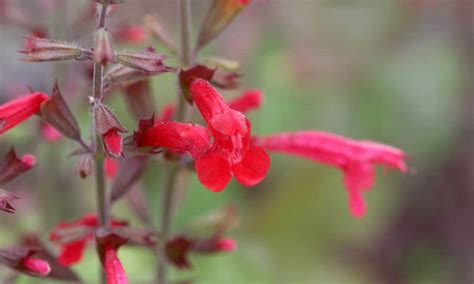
(399, 71)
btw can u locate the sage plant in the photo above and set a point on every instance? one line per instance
(217, 145)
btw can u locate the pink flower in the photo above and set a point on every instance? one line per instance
(231, 153)
(73, 237)
(16, 111)
(355, 158)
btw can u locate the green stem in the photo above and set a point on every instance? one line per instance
(175, 173)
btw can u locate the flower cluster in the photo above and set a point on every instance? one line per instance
(218, 146)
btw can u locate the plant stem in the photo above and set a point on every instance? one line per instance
(175, 173)
(97, 88)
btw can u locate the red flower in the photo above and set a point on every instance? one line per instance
(355, 158)
(34, 266)
(107, 246)
(247, 101)
(231, 153)
(73, 237)
(115, 274)
(21, 259)
(18, 110)
(178, 248)
(185, 137)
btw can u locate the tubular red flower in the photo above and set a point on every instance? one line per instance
(230, 149)
(16, 111)
(186, 137)
(247, 101)
(355, 158)
(114, 272)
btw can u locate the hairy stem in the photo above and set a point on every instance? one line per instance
(97, 88)
(175, 173)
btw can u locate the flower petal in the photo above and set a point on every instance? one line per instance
(213, 171)
(71, 253)
(14, 112)
(114, 271)
(247, 101)
(357, 204)
(34, 266)
(113, 142)
(253, 168)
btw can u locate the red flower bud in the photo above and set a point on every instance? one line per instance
(11, 166)
(19, 109)
(21, 259)
(103, 51)
(34, 266)
(110, 167)
(41, 49)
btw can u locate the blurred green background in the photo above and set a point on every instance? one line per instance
(399, 72)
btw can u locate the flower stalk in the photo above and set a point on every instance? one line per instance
(97, 88)
(175, 173)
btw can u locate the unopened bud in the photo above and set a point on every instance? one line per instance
(104, 51)
(147, 60)
(41, 49)
(84, 166)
